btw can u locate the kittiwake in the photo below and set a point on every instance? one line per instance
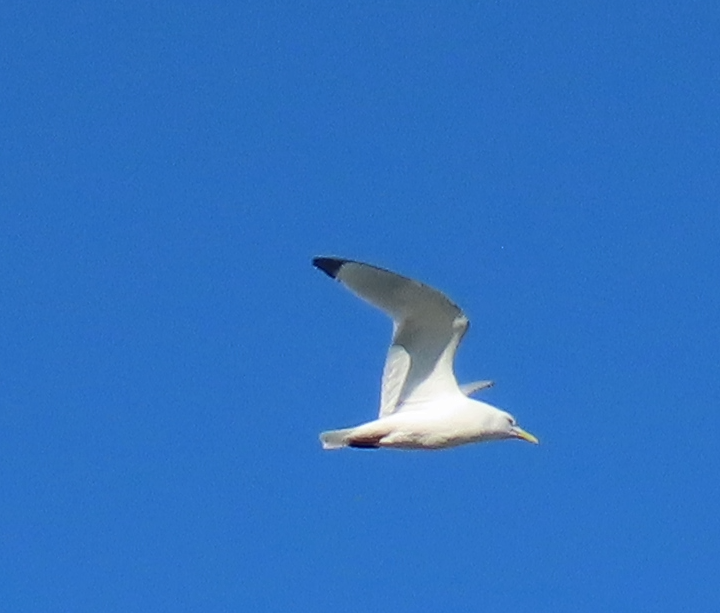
(421, 404)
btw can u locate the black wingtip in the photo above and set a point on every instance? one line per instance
(330, 266)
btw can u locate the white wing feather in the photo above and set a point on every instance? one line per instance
(428, 330)
(397, 366)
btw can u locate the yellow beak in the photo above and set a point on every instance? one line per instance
(526, 436)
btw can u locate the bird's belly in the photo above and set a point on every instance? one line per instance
(417, 432)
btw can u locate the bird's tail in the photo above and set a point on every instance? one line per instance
(335, 439)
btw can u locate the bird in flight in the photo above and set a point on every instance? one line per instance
(421, 404)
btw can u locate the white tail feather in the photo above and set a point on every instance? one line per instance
(335, 439)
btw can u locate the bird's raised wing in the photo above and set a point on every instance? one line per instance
(428, 328)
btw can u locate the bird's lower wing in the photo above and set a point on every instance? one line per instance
(470, 388)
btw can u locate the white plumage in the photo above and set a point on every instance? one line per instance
(421, 404)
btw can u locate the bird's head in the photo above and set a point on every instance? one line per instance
(507, 427)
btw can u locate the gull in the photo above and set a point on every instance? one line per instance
(421, 404)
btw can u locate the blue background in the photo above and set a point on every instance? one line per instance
(169, 355)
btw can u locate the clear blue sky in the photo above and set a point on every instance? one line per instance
(169, 355)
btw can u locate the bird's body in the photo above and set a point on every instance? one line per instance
(443, 422)
(422, 406)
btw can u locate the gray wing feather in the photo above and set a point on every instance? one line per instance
(470, 388)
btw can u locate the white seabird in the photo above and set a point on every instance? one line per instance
(421, 405)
